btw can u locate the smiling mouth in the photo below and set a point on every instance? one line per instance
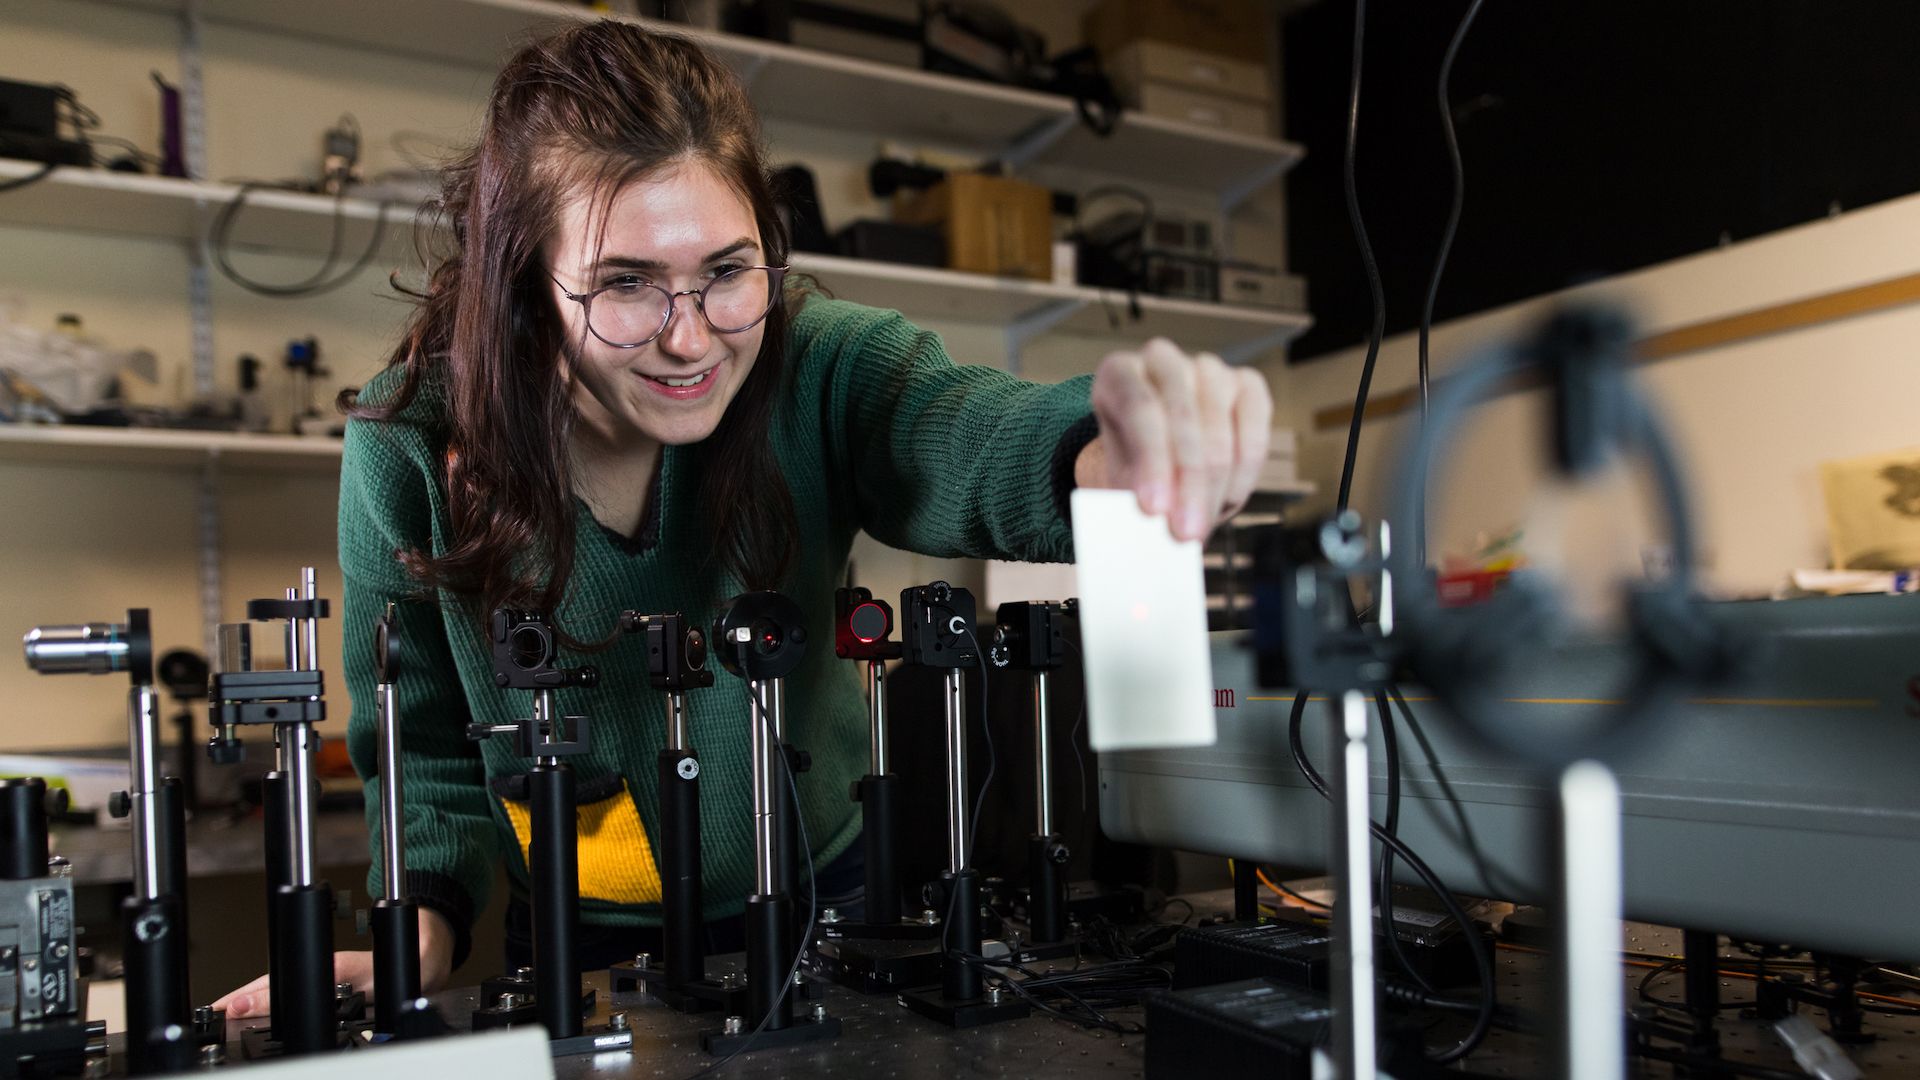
(683, 383)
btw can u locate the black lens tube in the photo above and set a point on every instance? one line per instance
(681, 930)
(396, 962)
(959, 980)
(158, 1014)
(555, 857)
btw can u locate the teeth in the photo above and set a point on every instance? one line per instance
(694, 380)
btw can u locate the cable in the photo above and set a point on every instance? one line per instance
(1281, 888)
(45, 170)
(1374, 287)
(1482, 961)
(1419, 524)
(799, 954)
(318, 282)
(1389, 926)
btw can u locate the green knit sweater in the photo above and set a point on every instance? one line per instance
(879, 431)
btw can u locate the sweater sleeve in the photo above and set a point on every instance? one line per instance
(948, 460)
(452, 843)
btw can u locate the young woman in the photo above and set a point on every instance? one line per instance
(614, 396)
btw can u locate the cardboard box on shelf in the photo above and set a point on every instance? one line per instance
(1143, 62)
(1204, 110)
(994, 224)
(1232, 28)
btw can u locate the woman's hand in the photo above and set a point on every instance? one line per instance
(436, 963)
(1185, 433)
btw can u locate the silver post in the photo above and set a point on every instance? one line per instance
(311, 625)
(877, 715)
(293, 636)
(297, 742)
(1353, 1000)
(546, 725)
(778, 708)
(393, 850)
(143, 744)
(1589, 889)
(300, 781)
(1042, 756)
(677, 721)
(957, 822)
(760, 751)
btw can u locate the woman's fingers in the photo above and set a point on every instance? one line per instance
(1186, 433)
(248, 1000)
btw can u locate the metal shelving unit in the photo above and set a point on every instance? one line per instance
(1021, 128)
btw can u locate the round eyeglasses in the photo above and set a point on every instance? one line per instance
(629, 314)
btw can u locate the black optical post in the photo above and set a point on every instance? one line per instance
(677, 663)
(761, 637)
(303, 1012)
(881, 952)
(937, 631)
(395, 917)
(1031, 636)
(525, 653)
(154, 918)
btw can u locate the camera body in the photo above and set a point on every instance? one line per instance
(526, 653)
(760, 635)
(862, 626)
(1031, 635)
(937, 627)
(676, 650)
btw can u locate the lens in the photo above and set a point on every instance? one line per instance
(868, 623)
(528, 647)
(629, 314)
(737, 299)
(767, 636)
(695, 652)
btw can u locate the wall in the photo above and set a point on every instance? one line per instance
(1753, 419)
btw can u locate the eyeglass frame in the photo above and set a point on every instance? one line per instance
(776, 277)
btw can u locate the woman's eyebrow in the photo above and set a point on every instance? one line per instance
(628, 262)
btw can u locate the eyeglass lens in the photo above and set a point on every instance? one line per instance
(637, 313)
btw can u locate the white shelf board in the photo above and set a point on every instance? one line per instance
(922, 292)
(885, 100)
(153, 447)
(93, 200)
(131, 204)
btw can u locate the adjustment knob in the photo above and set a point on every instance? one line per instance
(226, 751)
(119, 804)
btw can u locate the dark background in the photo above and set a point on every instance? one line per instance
(1597, 138)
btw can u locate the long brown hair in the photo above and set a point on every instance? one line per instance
(596, 106)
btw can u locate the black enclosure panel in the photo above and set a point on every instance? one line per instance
(1598, 138)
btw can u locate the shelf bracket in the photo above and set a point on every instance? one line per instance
(1034, 323)
(1037, 140)
(207, 508)
(1242, 352)
(1242, 189)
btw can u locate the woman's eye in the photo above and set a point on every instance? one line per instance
(722, 269)
(626, 281)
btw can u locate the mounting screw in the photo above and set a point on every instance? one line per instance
(641, 960)
(342, 990)
(213, 1054)
(830, 915)
(799, 978)
(819, 1012)
(524, 974)
(618, 1021)
(993, 995)
(119, 804)
(929, 917)
(734, 1025)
